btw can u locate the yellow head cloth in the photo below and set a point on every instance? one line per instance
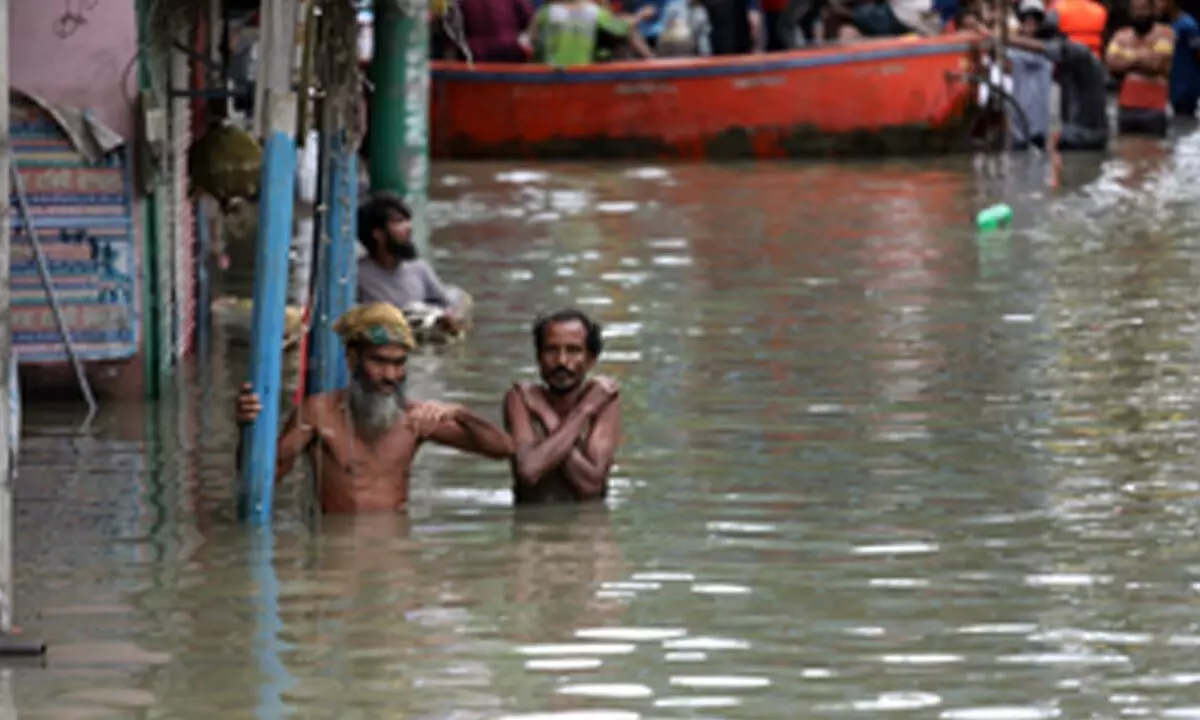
(374, 324)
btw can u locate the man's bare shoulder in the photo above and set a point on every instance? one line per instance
(521, 390)
(610, 385)
(1162, 38)
(607, 380)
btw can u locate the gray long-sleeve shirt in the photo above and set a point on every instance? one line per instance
(404, 285)
(1032, 77)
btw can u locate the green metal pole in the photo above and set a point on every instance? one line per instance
(153, 351)
(398, 150)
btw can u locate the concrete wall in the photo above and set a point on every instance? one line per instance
(93, 67)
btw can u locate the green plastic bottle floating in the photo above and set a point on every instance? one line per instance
(996, 216)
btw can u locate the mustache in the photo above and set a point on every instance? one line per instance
(388, 389)
(384, 387)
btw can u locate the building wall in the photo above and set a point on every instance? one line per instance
(94, 66)
(91, 65)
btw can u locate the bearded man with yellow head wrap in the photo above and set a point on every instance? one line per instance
(362, 440)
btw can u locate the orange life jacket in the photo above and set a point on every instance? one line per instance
(1083, 21)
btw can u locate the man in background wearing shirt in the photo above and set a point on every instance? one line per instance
(1185, 62)
(391, 272)
(1084, 98)
(495, 29)
(565, 32)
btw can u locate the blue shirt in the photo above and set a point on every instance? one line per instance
(1185, 70)
(652, 28)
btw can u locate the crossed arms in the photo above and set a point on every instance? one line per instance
(585, 462)
(1126, 54)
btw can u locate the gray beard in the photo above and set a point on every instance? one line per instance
(374, 412)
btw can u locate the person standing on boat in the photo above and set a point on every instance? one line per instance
(883, 18)
(391, 271)
(737, 26)
(779, 29)
(1082, 79)
(1185, 61)
(652, 20)
(494, 29)
(564, 32)
(565, 431)
(362, 440)
(686, 30)
(1141, 54)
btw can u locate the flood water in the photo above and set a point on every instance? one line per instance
(874, 464)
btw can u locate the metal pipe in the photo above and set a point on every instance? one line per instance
(9, 415)
(43, 267)
(270, 303)
(310, 102)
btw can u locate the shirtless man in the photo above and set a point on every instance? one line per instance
(565, 430)
(1141, 54)
(362, 440)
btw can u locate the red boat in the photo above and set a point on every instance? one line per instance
(895, 96)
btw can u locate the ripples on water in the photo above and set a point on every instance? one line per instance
(873, 464)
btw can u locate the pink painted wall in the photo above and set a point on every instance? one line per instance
(93, 68)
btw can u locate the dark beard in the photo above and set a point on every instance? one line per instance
(403, 251)
(374, 411)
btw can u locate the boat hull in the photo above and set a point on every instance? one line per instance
(901, 96)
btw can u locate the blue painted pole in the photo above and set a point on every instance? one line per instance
(270, 297)
(338, 285)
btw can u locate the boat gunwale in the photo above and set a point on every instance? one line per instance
(686, 68)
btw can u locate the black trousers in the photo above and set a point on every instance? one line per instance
(1136, 121)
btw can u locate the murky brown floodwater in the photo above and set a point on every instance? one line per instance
(874, 464)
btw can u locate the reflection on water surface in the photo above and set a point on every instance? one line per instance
(874, 464)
